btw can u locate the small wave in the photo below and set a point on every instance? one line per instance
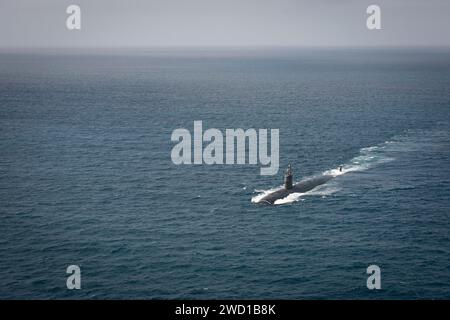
(293, 197)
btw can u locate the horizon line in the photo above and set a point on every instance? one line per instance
(219, 47)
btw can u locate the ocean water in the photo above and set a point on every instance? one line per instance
(86, 176)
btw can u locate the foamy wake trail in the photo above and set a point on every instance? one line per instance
(322, 191)
(367, 158)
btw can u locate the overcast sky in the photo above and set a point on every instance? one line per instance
(149, 23)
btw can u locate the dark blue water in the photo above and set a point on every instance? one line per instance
(86, 176)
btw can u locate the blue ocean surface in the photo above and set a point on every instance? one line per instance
(86, 175)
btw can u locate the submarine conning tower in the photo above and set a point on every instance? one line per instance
(288, 178)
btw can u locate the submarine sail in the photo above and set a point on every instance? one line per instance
(288, 178)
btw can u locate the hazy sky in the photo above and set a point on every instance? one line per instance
(147, 23)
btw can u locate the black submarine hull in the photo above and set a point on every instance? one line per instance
(301, 187)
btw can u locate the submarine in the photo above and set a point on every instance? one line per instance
(301, 187)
